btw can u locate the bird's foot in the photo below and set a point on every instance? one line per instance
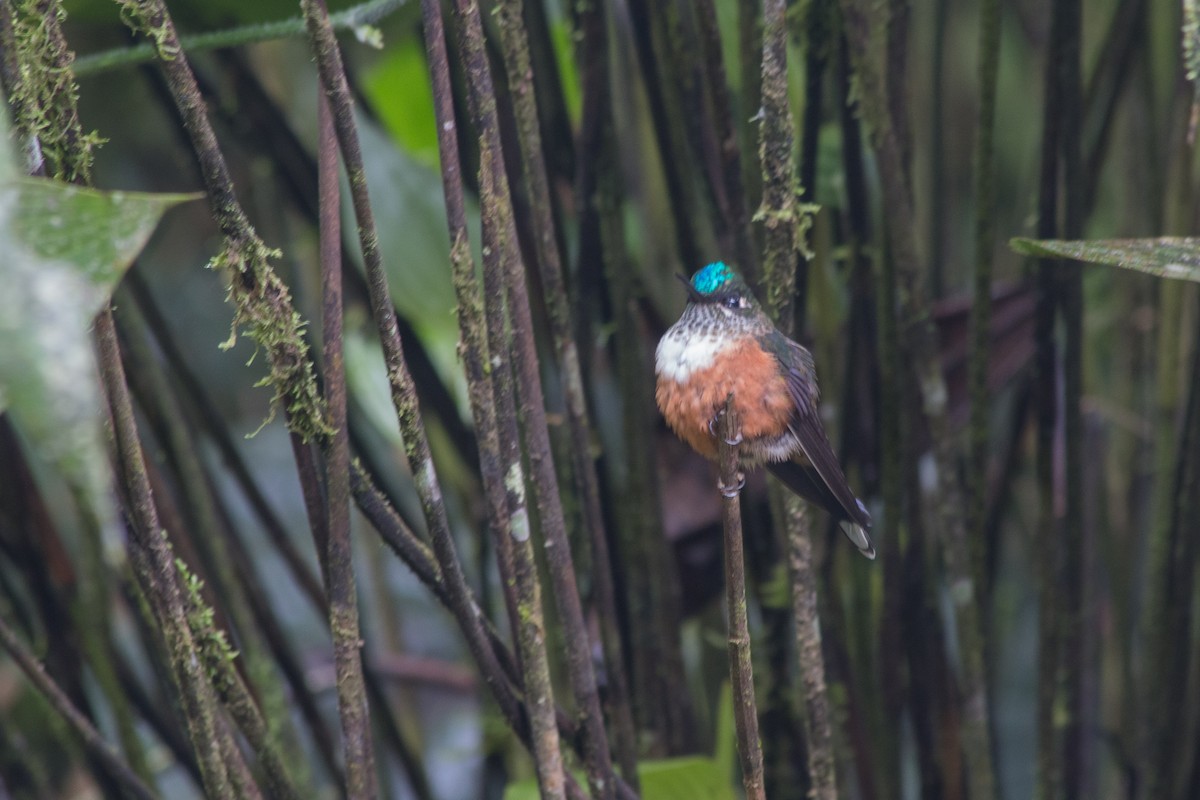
(712, 429)
(732, 491)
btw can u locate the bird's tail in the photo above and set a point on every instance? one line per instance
(805, 481)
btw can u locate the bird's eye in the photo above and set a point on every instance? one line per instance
(733, 301)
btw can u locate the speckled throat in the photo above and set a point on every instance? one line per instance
(710, 319)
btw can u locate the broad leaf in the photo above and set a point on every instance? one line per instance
(65, 248)
(1167, 257)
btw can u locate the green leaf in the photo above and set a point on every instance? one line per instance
(65, 248)
(686, 778)
(1166, 257)
(398, 88)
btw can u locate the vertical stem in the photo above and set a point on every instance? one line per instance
(750, 50)
(729, 150)
(780, 212)
(1170, 655)
(741, 669)
(500, 228)
(1066, 37)
(817, 34)
(515, 47)
(937, 129)
(500, 454)
(784, 223)
(664, 111)
(918, 335)
(1049, 766)
(985, 202)
(155, 567)
(339, 554)
(818, 724)
(651, 581)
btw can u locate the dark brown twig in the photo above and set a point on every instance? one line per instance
(504, 275)
(784, 223)
(154, 566)
(919, 338)
(981, 313)
(1066, 35)
(517, 63)
(339, 556)
(741, 669)
(82, 727)
(500, 454)
(731, 187)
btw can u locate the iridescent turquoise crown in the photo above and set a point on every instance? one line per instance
(713, 277)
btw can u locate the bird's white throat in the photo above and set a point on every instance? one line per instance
(683, 351)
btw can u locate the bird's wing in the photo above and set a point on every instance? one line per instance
(798, 370)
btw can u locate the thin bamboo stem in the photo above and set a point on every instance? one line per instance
(500, 454)
(1066, 35)
(741, 668)
(403, 389)
(782, 218)
(920, 339)
(981, 313)
(731, 186)
(339, 554)
(79, 724)
(818, 717)
(155, 568)
(648, 41)
(785, 222)
(503, 261)
(515, 48)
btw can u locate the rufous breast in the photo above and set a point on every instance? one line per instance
(695, 377)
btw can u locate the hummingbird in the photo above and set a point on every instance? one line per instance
(725, 344)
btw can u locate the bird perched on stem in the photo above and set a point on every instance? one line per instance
(725, 344)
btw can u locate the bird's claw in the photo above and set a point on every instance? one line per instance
(712, 429)
(732, 491)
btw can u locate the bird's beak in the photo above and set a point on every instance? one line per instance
(693, 295)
